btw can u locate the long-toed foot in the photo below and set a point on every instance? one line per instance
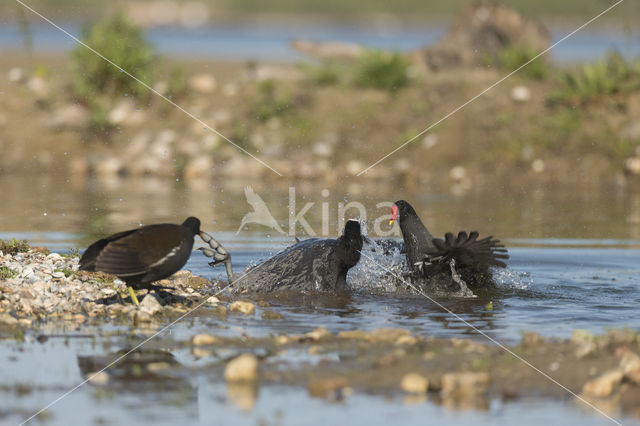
(217, 252)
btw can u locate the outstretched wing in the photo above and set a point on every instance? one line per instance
(468, 251)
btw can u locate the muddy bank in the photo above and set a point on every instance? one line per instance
(306, 129)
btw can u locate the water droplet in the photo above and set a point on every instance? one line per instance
(44, 214)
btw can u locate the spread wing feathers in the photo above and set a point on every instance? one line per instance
(468, 250)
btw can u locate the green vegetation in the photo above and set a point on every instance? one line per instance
(14, 246)
(382, 70)
(66, 271)
(73, 252)
(6, 273)
(606, 77)
(271, 102)
(124, 44)
(327, 74)
(514, 57)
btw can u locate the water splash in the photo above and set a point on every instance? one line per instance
(369, 274)
(510, 279)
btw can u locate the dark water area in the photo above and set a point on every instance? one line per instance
(271, 42)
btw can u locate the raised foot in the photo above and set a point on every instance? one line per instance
(217, 252)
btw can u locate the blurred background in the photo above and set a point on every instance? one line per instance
(319, 91)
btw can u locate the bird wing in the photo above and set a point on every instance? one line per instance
(468, 250)
(138, 252)
(89, 257)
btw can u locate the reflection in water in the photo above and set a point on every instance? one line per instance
(100, 206)
(243, 394)
(151, 375)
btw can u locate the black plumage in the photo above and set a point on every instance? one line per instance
(430, 257)
(317, 264)
(143, 255)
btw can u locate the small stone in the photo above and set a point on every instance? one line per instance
(387, 334)
(98, 378)
(150, 305)
(531, 338)
(463, 383)
(203, 83)
(521, 94)
(414, 383)
(158, 366)
(16, 75)
(59, 275)
(632, 165)
(269, 314)
(243, 368)
(458, 173)
(7, 319)
(70, 116)
(213, 301)
(538, 165)
(282, 340)
(39, 87)
(203, 339)
(602, 387)
(317, 334)
(243, 307)
(354, 167)
(352, 334)
(406, 340)
(319, 388)
(24, 322)
(630, 365)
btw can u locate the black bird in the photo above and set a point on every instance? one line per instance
(464, 257)
(143, 255)
(319, 264)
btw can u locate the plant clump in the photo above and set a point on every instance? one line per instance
(14, 246)
(610, 76)
(382, 70)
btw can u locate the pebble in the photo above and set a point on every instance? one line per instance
(521, 94)
(317, 334)
(414, 383)
(243, 307)
(150, 305)
(16, 75)
(320, 388)
(99, 378)
(39, 292)
(602, 387)
(7, 319)
(243, 368)
(269, 314)
(203, 83)
(203, 339)
(463, 384)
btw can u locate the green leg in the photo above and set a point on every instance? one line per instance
(133, 296)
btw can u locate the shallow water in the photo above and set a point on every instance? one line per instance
(574, 264)
(551, 286)
(271, 42)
